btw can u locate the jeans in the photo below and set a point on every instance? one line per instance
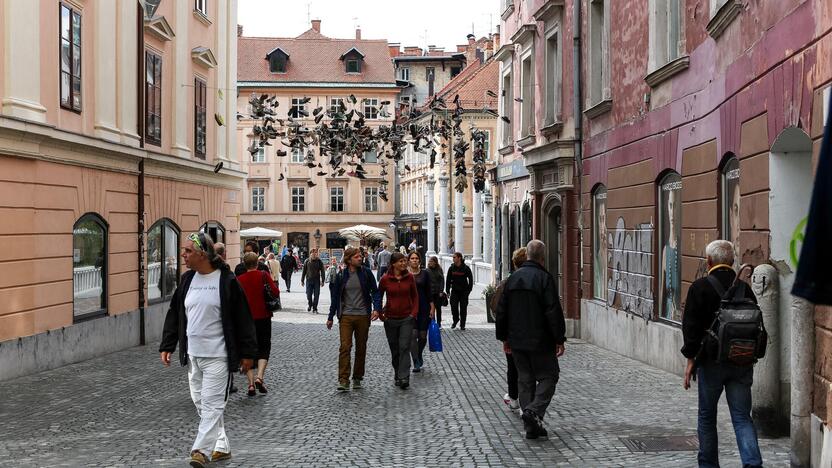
(349, 325)
(399, 334)
(380, 272)
(537, 376)
(287, 278)
(459, 307)
(737, 384)
(210, 382)
(417, 347)
(313, 293)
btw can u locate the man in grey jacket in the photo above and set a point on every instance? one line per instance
(383, 262)
(314, 275)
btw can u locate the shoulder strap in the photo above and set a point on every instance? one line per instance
(717, 286)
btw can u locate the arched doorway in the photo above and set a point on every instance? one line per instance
(526, 223)
(514, 231)
(552, 230)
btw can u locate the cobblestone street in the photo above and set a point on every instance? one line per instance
(125, 409)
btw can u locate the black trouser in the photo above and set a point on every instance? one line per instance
(511, 378)
(459, 307)
(287, 278)
(437, 304)
(399, 333)
(537, 377)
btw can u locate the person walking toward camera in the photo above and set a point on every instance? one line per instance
(437, 281)
(399, 316)
(458, 285)
(314, 275)
(209, 319)
(427, 310)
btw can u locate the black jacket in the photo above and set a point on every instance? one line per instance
(529, 315)
(459, 279)
(701, 305)
(241, 268)
(288, 265)
(237, 324)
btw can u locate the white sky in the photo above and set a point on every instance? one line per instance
(446, 22)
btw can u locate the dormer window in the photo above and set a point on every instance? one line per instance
(353, 59)
(353, 66)
(278, 59)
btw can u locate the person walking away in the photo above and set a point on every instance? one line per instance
(530, 319)
(510, 398)
(354, 294)
(288, 265)
(458, 285)
(314, 275)
(702, 303)
(251, 246)
(427, 311)
(437, 281)
(253, 282)
(399, 315)
(208, 318)
(383, 261)
(274, 266)
(332, 271)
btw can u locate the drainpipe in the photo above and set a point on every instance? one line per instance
(140, 201)
(578, 118)
(802, 362)
(766, 389)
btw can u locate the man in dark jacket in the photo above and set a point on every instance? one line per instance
(458, 285)
(314, 275)
(209, 320)
(530, 319)
(288, 265)
(701, 305)
(251, 246)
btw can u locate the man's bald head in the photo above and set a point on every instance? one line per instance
(219, 248)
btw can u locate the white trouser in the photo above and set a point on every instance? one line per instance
(210, 382)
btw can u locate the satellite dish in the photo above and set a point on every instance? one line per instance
(150, 7)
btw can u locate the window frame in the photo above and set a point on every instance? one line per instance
(598, 88)
(201, 7)
(295, 107)
(487, 145)
(103, 311)
(357, 67)
(374, 152)
(298, 199)
(371, 200)
(527, 111)
(554, 75)
(200, 117)
(665, 37)
(72, 93)
(506, 105)
(162, 224)
(334, 104)
(664, 180)
(404, 74)
(600, 193)
(729, 170)
(337, 199)
(370, 108)
(455, 70)
(258, 199)
(153, 95)
(296, 156)
(217, 227)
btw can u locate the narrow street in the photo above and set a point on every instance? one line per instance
(125, 409)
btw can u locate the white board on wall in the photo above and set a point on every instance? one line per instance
(826, 93)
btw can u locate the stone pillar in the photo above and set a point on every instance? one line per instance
(459, 224)
(183, 81)
(802, 384)
(105, 71)
(431, 214)
(231, 80)
(766, 388)
(488, 228)
(128, 67)
(443, 213)
(21, 40)
(477, 242)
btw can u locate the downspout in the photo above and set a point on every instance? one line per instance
(140, 201)
(578, 118)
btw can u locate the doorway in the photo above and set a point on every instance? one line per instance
(553, 238)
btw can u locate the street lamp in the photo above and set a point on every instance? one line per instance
(317, 236)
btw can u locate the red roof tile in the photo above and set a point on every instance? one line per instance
(471, 85)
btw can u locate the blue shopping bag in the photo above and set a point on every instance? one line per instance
(434, 337)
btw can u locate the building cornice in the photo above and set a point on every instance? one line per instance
(723, 17)
(313, 84)
(159, 27)
(203, 56)
(547, 10)
(524, 34)
(505, 53)
(598, 109)
(667, 71)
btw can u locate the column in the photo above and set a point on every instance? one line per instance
(488, 228)
(221, 38)
(431, 214)
(477, 242)
(105, 70)
(459, 223)
(231, 81)
(443, 213)
(179, 123)
(505, 250)
(21, 41)
(127, 74)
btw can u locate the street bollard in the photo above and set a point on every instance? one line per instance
(766, 389)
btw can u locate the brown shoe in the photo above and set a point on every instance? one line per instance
(198, 459)
(217, 456)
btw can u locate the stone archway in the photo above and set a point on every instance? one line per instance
(552, 235)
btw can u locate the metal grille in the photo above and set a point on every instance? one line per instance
(662, 444)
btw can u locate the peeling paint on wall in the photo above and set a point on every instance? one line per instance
(630, 257)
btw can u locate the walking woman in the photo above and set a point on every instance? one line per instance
(426, 309)
(253, 281)
(274, 266)
(210, 321)
(399, 315)
(437, 282)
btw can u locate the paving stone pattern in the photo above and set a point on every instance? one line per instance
(125, 409)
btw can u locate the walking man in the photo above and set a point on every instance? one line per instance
(383, 261)
(314, 275)
(530, 319)
(458, 285)
(288, 265)
(210, 321)
(251, 246)
(703, 301)
(354, 294)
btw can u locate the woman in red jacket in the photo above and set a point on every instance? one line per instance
(399, 315)
(252, 282)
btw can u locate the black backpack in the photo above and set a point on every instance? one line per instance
(737, 335)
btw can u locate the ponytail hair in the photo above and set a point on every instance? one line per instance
(206, 244)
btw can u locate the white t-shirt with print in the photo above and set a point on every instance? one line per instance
(202, 307)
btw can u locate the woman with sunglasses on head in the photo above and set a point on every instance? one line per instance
(399, 315)
(426, 309)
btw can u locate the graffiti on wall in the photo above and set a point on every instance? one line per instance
(630, 259)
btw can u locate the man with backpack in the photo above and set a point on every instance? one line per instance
(723, 338)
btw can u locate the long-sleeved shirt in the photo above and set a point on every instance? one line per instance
(313, 269)
(384, 258)
(402, 296)
(459, 279)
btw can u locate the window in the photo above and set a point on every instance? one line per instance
(353, 66)
(260, 155)
(258, 199)
(371, 108)
(162, 260)
(70, 58)
(405, 101)
(200, 122)
(214, 230)
(507, 105)
(554, 76)
(89, 267)
(404, 74)
(153, 98)
(526, 93)
(335, 241)
(298, 199)
(277, 62)
(455, 71)
(599, 32)
(716, 5)
(371, 199)
(730, 195)
(297, 155)
(665, 25)
(487, 146)
(670, 258)
(371, 156)
(201, 6)
(599, 243)
(298, 108)
(429, 76)
(336, 199)
(335, 104)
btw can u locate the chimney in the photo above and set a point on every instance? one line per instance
(357, 34)
(393, 48)
(496, 38)
(316, 25)
(461, 48)
(471, 39)
(239, 30)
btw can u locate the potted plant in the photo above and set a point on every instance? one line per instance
(488, 294)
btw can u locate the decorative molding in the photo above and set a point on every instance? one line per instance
(202, 18)
(723, 17)
(667, 71)
(600, 108)
(552, 128)
(549, 9)
(159, 27)
(203, 56)
(508, 149)
(524, 33)
(505, 53)
(526, 141)
(508, 11)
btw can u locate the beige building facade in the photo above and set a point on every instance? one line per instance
(109, 137)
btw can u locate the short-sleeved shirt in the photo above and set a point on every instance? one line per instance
(203, 310)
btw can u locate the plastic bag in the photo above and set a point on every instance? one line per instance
(434, 337)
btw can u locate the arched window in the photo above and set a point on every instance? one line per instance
(162, 260)
(526, 224)
(730, 199)
(215, 230)
(599, 242)
(89, 267)
(670, 255)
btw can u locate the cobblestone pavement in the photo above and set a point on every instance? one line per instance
(125, 409)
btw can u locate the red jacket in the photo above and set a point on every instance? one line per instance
(402, 297)
(252, 283)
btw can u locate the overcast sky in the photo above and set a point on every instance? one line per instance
(446, 22)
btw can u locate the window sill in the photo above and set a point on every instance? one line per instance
(89, 316)
(202, 17)
(667, 71)
(723, 17)
(598, 109)
(552, 127)
(507, 149)
(507, 12)
(526, 141)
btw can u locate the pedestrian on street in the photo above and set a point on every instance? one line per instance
(530, 319)
(288, 265)
(274, 266)
(332, 271)
(314, 275)
(209, 319)
(219, 248)
(701, 305)
(413, 246)
(437, 281)
(251, 246)
(510, 398)
(427, 311)
(383, 261)
(399, 315)
(353, 294)
(458, 285)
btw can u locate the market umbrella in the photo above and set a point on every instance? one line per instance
(260, 232)
(363, 233)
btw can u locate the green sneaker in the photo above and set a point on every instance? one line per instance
(343, 386)
(356, 384)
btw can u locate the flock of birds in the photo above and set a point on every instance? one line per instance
(344, 139)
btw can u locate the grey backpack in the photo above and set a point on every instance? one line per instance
(737, 335)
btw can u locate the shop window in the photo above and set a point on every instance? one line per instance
(162, 260)
(599, 243)
(89, 267)
(670, 255)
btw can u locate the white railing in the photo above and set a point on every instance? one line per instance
(86, 281)
(154, 271)
(482, 273)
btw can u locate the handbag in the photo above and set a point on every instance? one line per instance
(434, 337)
(444, 299)
(272, 301)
